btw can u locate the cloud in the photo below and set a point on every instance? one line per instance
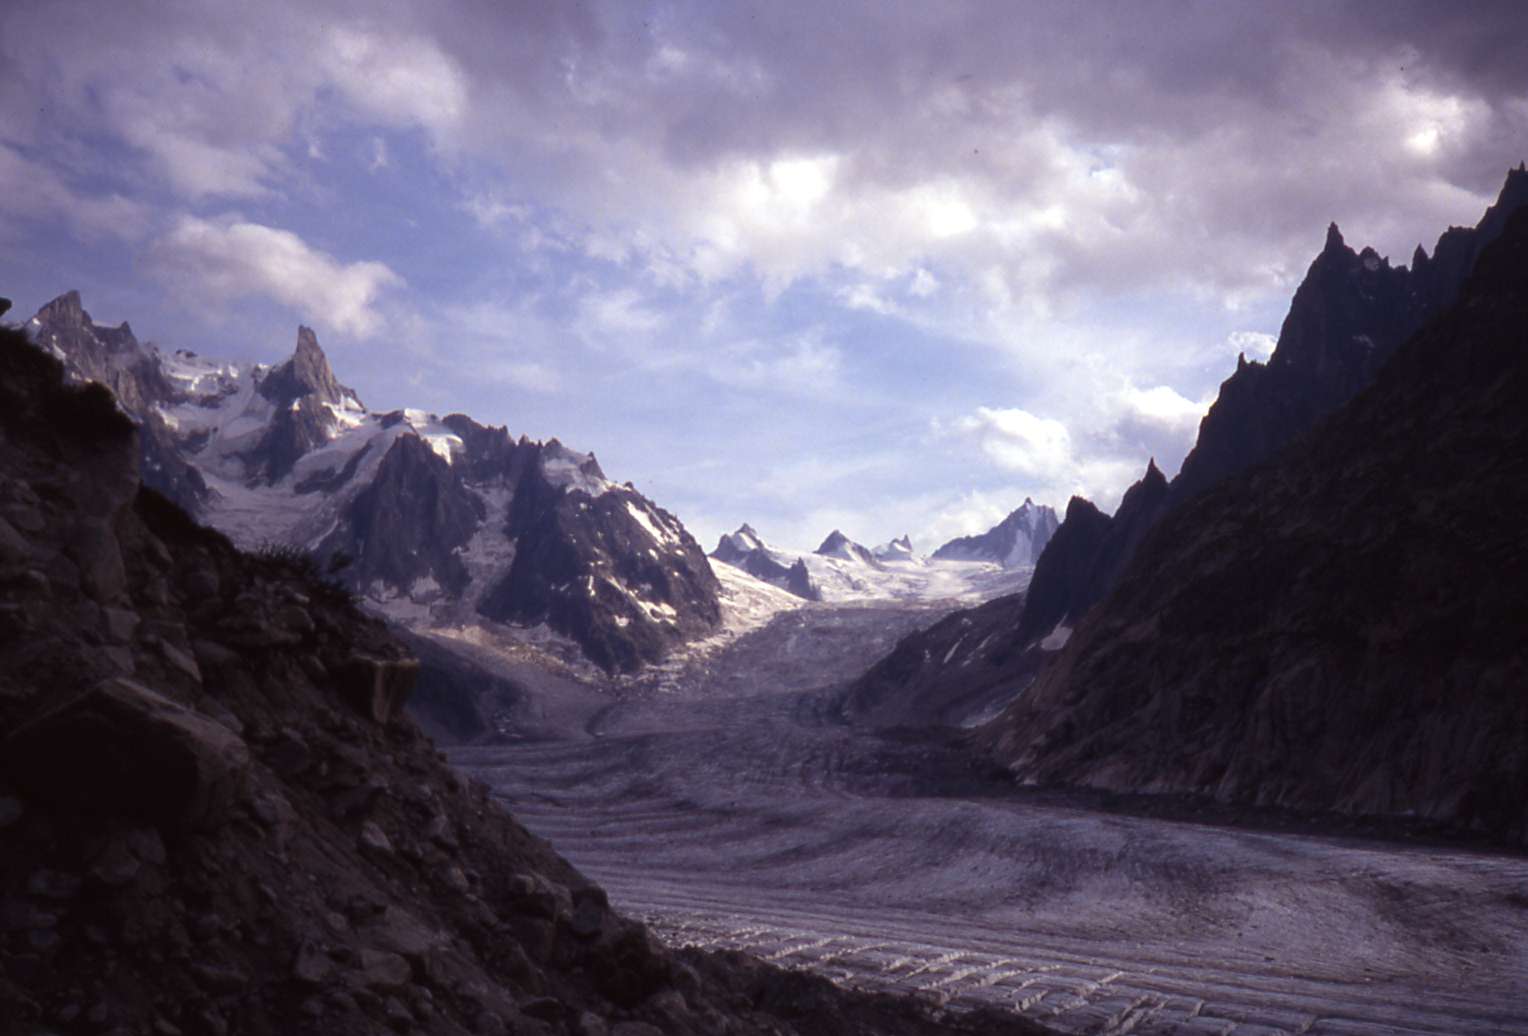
(531, 376)
(1059, 220)
(1098, 453)
(396, 78)
(803, 366)
(1039, 448)
(33, 192)
(607, 317)
(230, 259)
(1255, 345)
(1164, 406)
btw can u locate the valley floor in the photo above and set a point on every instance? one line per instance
(728, 807)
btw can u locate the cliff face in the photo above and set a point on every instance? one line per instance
(625, 587)
(217, 820)
(1350, 313)
(1338, 629)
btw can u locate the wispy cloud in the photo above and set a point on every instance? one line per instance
(33, 192)
(216, 261)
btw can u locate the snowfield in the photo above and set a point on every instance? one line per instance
(723, 802)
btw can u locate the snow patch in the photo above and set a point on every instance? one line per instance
(642, 518)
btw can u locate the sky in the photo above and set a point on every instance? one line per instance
(884, 266)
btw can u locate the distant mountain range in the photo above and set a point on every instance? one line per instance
(432, 519)
(842, 570)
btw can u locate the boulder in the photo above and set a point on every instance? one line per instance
(121, 749)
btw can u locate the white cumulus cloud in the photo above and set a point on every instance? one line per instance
(1033, 446)
(231, 258)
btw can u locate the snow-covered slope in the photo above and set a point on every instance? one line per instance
(899, 549)
(842, 571)
(1016, 541)
(436, 520)
(839, 546)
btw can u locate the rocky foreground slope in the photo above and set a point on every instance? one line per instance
(1342, 628)
(435, 520)
(216, 820)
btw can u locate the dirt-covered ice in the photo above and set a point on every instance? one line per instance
(728, 806)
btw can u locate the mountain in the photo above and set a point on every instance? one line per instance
(434, 520)
(1085, 555)
(837, 545)
(745, 550)
(217, 819)
(1017, 540)
(1338, 629)
(842, 571)
(1348, 316)
(958, 672)
(899, 549)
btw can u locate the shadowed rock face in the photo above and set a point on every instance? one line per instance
(1346, 319)
(1086, 554)
(962, 669)
(114, 357)
(408, 524)
(587, 565)
(1341, 628)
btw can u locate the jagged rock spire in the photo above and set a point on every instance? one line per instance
(65, 311)
(307, 373)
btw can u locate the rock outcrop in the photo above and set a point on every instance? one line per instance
(216, 820)
(1339, 629)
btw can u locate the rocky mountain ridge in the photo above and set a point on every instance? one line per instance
(1019, 539)
(837, 545)
(842, 571)
(439, 519)
(217, 820)
(1340, 628)
(1350, 313)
